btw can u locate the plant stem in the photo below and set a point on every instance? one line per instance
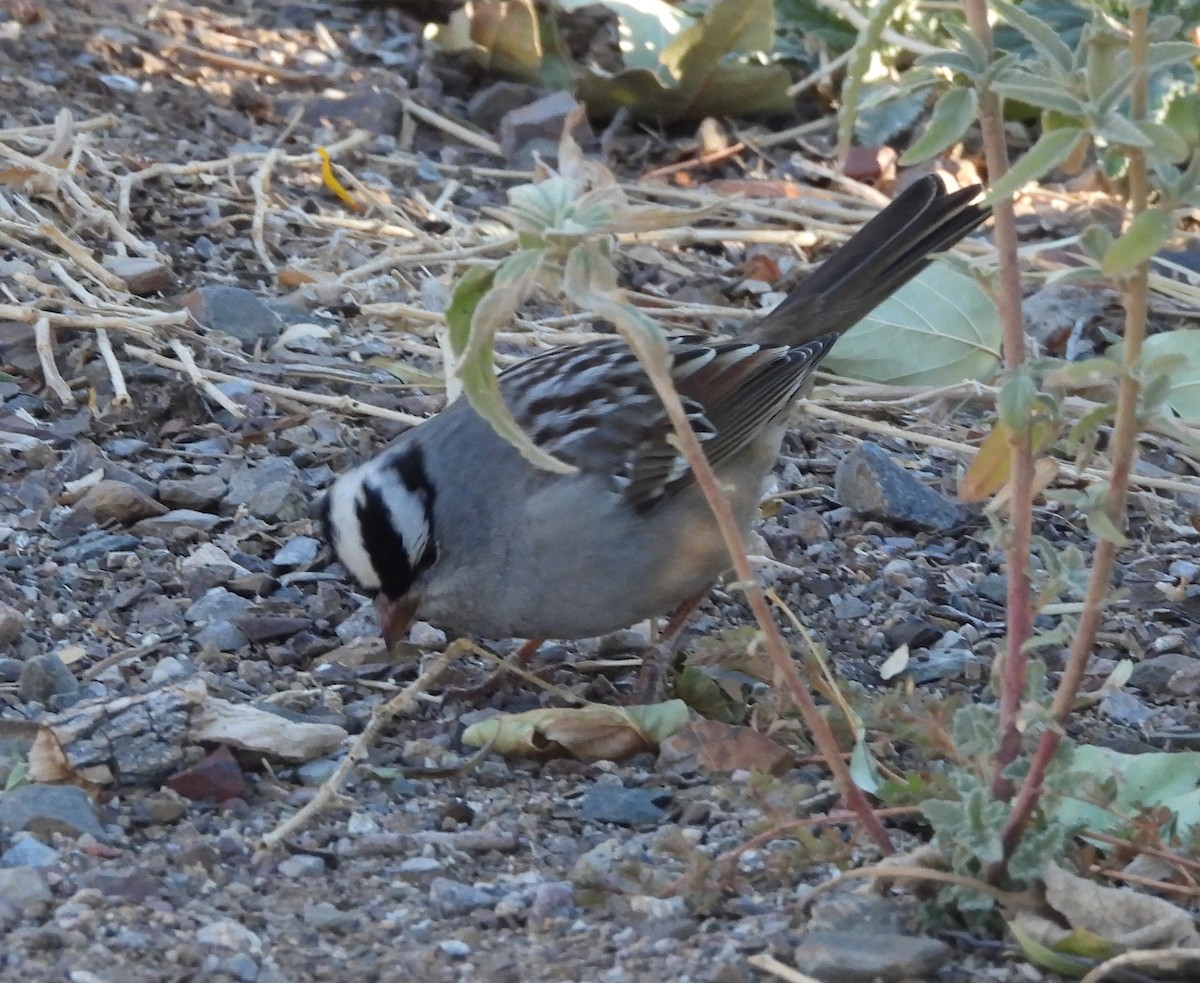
(1124, 444)
(644, 338)
(1019, 602)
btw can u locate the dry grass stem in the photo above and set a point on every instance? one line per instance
(769, 964)
(343, 404)
(403, 702)
(44, 341)
(121, 395)
(470, 137)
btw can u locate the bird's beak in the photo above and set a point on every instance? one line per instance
(394, 618)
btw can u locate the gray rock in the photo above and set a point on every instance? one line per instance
(221, 636)
(316, 772)
(44, 677)
(28, 851)
(217, 605)
(420, 868)
(97, 543)
(202, 492)
(240, 967)
(1184, 570)
(487, 107)
(553, 899)
(454, 948)
(538, 126)
(215, 612)
(125, 447)
(12, 623)
(45, 809)
(23, 887)
(872, 484)
(229, 935)
(303, 865)
(235, 311)
(622, 806)
(176, 525)
(865, 957)
(296, 552)
(361, 624)
(325, 916)
(847, 607)
(994, 586)
(1153, 675)
(273, 491)
(941, 664)
(10, 670)
(450, 898)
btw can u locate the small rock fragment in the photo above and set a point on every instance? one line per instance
(44, 677)
(296, 552)
(45, 809)
(118, 501)
(235, 311)
(12, 623)
(202, 492)
(23, 887)
(538, 127)
(872, 484)
(142, 276)
(861, 957)
(214, 779)
(622, 806)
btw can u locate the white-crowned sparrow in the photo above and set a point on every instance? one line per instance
(451, 524)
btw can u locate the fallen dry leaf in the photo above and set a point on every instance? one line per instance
(590, 733)
(716, 746)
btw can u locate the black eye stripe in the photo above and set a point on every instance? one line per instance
(383, 541)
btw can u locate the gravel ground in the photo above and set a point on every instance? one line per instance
(167, 540)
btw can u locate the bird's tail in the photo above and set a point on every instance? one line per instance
(880, 258)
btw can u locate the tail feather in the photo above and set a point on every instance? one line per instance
(880, 258)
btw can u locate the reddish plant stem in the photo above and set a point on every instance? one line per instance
(654, 359)
(1124, 444)
(781, 658)
(1014, 667)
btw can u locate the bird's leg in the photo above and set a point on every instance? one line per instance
(650, 686)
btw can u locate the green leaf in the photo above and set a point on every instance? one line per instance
(938, 329)
(1041, 35)
(1051, 149)
(1141, 782)
(952, 114)
(863, 769)
(1038, 93)
(1166, 141)
(1116, 129)
(1183, 394)
(1164, 54)
(1144, 237)
(1043, 956)
(483, 302)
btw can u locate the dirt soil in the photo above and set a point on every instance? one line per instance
(429, 869)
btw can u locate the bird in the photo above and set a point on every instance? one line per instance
(451, 525)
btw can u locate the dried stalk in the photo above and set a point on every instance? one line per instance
(44, 340)
(402, 702)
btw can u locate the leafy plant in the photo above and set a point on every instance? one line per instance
(675, 67)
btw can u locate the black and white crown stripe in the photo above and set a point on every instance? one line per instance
(380, 518)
